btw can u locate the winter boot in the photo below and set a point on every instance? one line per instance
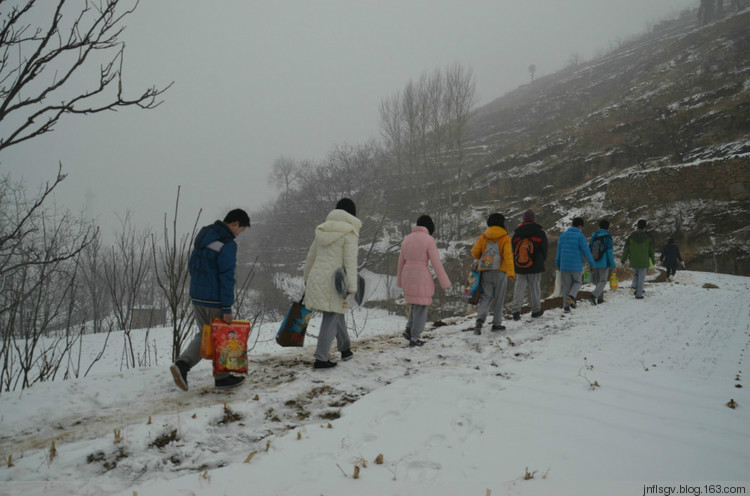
(229, 382)
(320, 364)
(179, 371)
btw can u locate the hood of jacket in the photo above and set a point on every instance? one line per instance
(640, 236)
(218, 231)
(601, 232)
(527, 229)
(338, 224)
(493, 233)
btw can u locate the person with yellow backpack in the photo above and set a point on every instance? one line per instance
(529, 242)
(495, 259)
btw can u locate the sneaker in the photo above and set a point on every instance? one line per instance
(179, 371)
(592, 299)
(478, 329)
(537, 314)
(516, 315)
(347, 355)
(407, 335)
(229, 381)
(571, 301)
(498, 328)
(566, 310)
(416, 342)
(600, 300)
(320, 364)
(639, 297)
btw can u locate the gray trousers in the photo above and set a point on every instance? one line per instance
(639, 279)
(494, 284)
(531, 284)
(570, 283)
(333, 326)
(599, 277)
(192, 353)
(417, 320)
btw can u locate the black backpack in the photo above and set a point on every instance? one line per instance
(598, 248)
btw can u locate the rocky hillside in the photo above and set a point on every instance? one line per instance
(658, 129)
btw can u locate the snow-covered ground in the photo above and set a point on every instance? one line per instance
(625, 398)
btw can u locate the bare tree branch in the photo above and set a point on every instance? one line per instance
(38, 64)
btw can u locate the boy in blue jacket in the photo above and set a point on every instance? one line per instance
(571, 248)
(604, 260)
(212, 264)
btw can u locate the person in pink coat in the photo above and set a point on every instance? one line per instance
(418, 251)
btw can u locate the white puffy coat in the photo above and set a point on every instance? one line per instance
(335, 245)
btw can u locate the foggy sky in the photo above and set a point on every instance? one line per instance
(254, 80)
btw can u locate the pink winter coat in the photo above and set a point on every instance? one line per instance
(414, 276)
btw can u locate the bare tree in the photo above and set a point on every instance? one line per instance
(460, 100)
(173, 277)
(126, 268)
(284, 174)
(18, 223)
(423, 126)
(44, 48)
(94, 304)
(37, 285)
(532, 71)
(391, 127)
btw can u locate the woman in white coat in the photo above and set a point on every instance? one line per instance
(335, 246)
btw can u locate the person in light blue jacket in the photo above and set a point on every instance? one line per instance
(571, 248)
(601, 248)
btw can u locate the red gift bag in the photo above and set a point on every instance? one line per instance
(230, 346)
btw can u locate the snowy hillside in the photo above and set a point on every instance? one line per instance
(611, 399)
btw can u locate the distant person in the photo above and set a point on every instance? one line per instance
(572, 247)
(529, 244)
(418, 252)
(671, 258)
(602, 251)
(495, 256)
(639, 249)
(336, 245)
(212, 265)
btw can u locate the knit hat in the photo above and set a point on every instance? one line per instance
(529, 216)
(426, 221)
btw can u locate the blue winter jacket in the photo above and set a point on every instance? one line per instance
(608, 260)
(571, 247)
(212, 265)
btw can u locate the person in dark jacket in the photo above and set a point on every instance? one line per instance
(604, 262)
(529, 269)
(639, 249)
(495, 264)
(670, 258)
(212, 265)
